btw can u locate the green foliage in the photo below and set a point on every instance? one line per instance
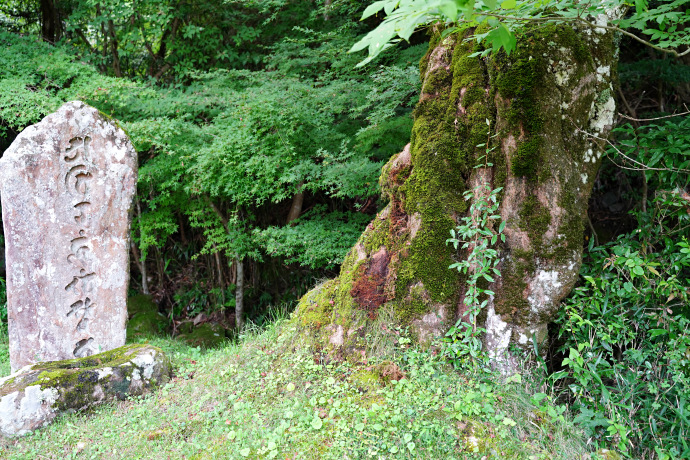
(222, 152)
(660, 150)
(625, 331)
(171, 40)
(478, 235)
(334, 232)
(661, 25)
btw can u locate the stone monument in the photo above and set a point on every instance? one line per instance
(66, 185)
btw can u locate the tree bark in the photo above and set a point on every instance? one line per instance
(539, 102)
(239, 294)
(50, 21)
(139, 261)
(296, 206)
(113, 49)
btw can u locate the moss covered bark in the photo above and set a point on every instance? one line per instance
(538, 102)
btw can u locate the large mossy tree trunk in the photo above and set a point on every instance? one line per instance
(538, 105)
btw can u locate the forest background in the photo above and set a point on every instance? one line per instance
(260, 145)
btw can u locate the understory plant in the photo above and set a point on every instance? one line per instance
(478, 236)
(625, 333)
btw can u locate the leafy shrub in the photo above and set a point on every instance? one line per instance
(626, 331)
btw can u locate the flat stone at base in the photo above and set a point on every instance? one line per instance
(32, 397)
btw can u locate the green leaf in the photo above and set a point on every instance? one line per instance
(538, 397)
(509, 4)
(517, 378)
(449, 9)
(502, 37)
(245, 452)
(509, 421)
(373, 9)
(657, 332)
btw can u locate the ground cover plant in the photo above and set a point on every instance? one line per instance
(265, 397)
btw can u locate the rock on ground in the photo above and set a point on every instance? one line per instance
(32, 397)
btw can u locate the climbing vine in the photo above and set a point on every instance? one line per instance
(477, 235)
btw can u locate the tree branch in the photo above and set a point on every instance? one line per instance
(81, 35)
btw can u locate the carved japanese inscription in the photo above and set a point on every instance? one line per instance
(66, 186)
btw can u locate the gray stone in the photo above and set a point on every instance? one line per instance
(35, 395)
(66, 185)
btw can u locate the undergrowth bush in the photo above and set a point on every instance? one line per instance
(626, 331)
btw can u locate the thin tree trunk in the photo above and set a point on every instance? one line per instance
(140, 263)
(239, 271)
(326, 7)
(296, 207)
(80, 34)
(219, 269)
(50, 21)
(239, 294)
(104, 33)
(113, 49)
(142, 268)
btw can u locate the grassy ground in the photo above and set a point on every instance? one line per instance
(268, 397)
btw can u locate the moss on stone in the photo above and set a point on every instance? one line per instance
(113, 357)
(460, 93)
(377, 236)
(146, 324)
(140, 303)
(315, 309)
(571, 230)
(437, 81)
(434, 39)
(527, 158)
(76, 379)
(427, 260)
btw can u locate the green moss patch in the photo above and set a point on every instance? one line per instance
(141, 303)
(146, 324)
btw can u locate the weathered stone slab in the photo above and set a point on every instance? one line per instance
(35, 395)
(66, 185)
